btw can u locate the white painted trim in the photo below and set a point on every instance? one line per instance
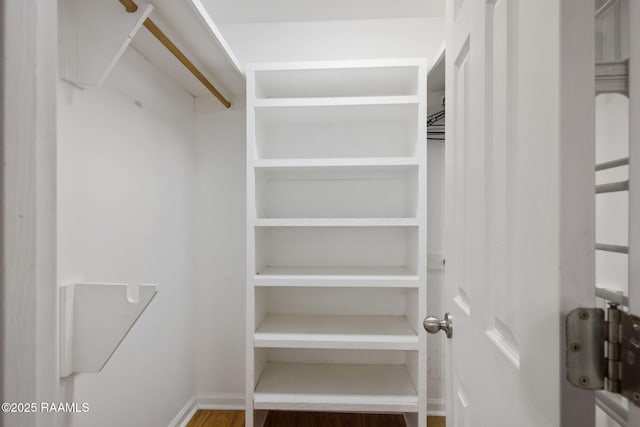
(436, 407)
(216, 34)
(222, 401)
(28, 360)
(576, 218)
(186, 413)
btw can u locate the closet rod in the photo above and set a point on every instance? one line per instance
(131, 7)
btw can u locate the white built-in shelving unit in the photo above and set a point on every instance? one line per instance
(336, 238)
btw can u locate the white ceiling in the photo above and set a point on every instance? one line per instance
(249, 11)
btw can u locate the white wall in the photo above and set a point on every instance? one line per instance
(126, 161)
(221, 257)
(332, 40)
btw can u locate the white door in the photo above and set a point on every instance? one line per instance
(520, 207)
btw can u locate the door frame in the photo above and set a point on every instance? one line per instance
(28, 206)
(577, 182)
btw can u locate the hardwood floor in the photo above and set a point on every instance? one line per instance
(436, 422)
(331, 419)
(217, 419)
(305, 419)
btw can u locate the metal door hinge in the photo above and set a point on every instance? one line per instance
(603, 352)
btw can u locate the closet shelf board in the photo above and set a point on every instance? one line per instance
(335, 387)
(336, 332)
(267, 164)
(336, 222)
(337, 276)
(334, 102)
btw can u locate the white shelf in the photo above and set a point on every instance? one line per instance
(354, 162)
(335, 102)
(335, 387)
(94, 320)
(337, 275)
(311, 169)
(336, 222)
(339, 332)
(93, 44)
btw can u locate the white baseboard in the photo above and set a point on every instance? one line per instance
(210, 401)
(185, 414)
(221, 401)
(436, 407)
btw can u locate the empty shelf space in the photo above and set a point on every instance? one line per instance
(388, 191)
(335, 387)
(337, 301)
(346, 332)
(336, 251)
(332, 80)
(336, 222)
(347, 130)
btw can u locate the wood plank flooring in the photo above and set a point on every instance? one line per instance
(305, 419)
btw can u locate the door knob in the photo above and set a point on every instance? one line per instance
(432, 325)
